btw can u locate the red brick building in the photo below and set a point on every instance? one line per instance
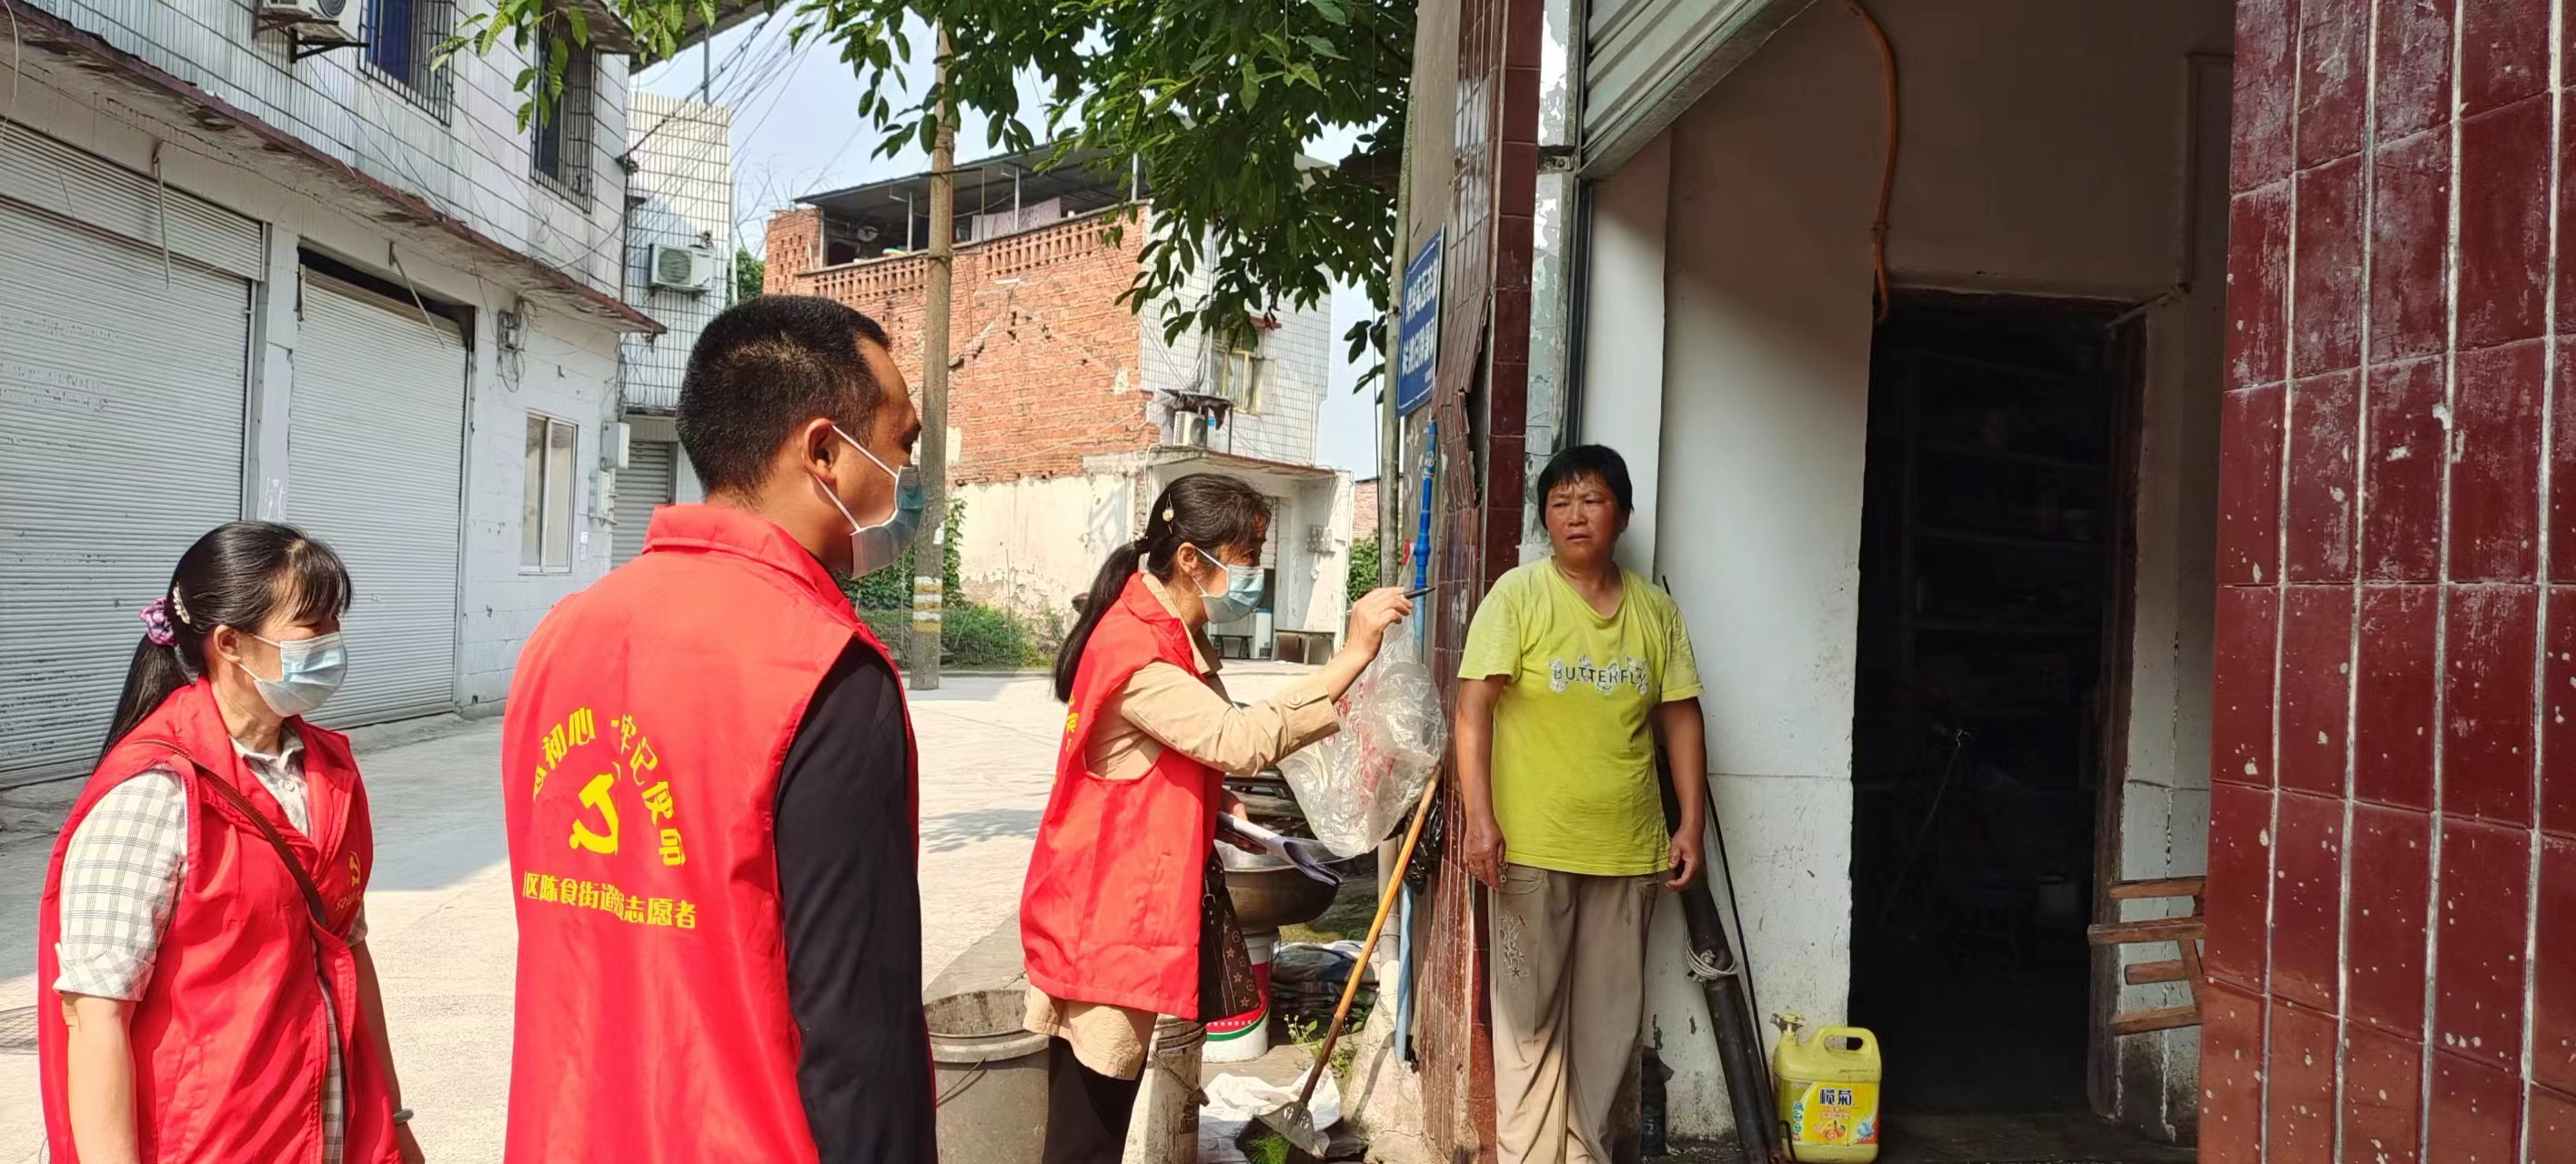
(2152, 472)
(1067, 410)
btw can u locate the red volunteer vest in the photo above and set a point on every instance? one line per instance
(231, 1039)
(640, 756)
(1110, 912)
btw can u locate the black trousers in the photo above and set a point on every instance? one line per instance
(1087, 1112)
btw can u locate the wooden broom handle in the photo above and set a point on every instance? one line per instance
(1377, 925)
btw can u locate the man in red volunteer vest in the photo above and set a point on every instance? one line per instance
(707, 770)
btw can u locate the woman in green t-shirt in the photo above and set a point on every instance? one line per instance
(1573, 667)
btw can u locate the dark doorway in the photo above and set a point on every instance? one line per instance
(1987, 556)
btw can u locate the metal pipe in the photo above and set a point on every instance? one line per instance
(1721, 978)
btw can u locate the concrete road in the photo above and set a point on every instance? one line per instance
(439, 909)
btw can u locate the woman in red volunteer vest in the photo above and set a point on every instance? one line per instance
(1125, 916)
(208, 996)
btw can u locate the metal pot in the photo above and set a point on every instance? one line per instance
(1274, 894)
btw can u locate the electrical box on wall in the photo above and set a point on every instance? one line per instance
(618, 450)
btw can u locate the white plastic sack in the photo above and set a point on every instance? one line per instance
(1240, 1099)
(1359, 785)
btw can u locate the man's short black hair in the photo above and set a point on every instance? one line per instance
(764, 367)
(1589, 463)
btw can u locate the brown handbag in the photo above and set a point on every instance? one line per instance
(1227, 984)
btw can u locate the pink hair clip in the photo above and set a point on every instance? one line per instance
(156, 622)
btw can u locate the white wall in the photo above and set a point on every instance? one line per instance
(474, 166)
(1312, 588)
(1623, 356)
(1032, 544)
(2164, 809)
(2044, 153)
(567, 368)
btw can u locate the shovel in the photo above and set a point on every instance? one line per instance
(1294, 1121)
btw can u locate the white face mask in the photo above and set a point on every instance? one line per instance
(309, 673)
(875, 547)
(1242, 593)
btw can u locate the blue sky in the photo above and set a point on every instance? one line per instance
(795, 133)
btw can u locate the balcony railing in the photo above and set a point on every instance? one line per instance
(1004, 257)
(870, 279)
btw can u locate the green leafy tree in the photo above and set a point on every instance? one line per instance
(1211, 102)
(890, 587)
(748, 274)
(1364, 566)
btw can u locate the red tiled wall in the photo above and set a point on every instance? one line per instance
(1044, 357)
(2393, 829)
(1485, 309)
(794, 246)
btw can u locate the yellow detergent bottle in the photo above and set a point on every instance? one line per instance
(1828, 1092)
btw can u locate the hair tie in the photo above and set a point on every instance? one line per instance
(156, 623)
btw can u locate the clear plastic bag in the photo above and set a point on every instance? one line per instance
(1360, 784)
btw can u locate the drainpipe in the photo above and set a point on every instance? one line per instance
(1390, 566)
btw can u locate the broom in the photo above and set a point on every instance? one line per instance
(1294, 1121)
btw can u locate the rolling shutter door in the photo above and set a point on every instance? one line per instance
(642, 486)
(124, 396)
(1646, 61)
(375, 454)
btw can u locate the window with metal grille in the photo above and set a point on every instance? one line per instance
(402, 49)
(559, 152)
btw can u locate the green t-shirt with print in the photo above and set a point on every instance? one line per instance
(1573, 740)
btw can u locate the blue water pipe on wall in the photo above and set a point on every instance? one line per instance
(1404, 899)
(1422, 528)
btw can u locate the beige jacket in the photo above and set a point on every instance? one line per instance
(1162, 706)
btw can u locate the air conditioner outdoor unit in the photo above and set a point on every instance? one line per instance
(318, 21)
(683, 268)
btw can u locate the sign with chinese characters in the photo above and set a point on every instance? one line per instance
(1417, 341)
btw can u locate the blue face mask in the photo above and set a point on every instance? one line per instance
(309, 672)
(1242, 593)
(875, 547)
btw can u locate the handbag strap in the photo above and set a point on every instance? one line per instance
(223, 787)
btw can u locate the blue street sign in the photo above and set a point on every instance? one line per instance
(1417, 348)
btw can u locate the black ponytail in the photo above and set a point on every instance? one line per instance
(1209, 510)
(238, 575)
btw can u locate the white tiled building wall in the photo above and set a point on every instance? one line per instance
(1300, 355)
(566, 370)
(683, 156)
(474, 165)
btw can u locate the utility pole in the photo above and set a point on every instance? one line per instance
(928, 562)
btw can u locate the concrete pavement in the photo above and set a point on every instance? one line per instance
(439, 912)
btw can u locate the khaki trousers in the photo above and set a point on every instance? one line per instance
(1569, 994)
